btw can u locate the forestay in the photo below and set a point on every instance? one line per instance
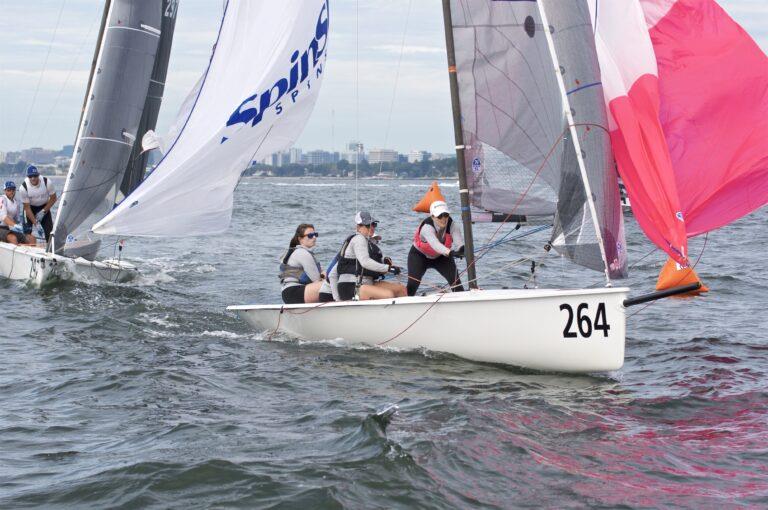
(521, 156)
(113, 109)
(254, 99)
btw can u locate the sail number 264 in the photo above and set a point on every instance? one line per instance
(582, 321)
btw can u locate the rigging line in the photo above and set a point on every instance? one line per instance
(504, 239)
(704, 246)
(42, 73)
(69, 74)
(417, 319)
(397, 79)
(507, 266)
(630, 268)
(357, 98)
(519, 201)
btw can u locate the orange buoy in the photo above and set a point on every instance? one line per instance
(674, 275)
(431, 195)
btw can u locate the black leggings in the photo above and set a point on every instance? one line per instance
(46, 222)
(418, 265)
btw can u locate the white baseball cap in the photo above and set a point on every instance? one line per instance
(437, 208)
(365, 218)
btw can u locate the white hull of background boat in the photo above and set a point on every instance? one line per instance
(33, 264)
(544, 329)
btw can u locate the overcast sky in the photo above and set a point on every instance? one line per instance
(420, 117)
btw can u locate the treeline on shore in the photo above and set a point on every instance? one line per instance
(403, 170)
(433, 169)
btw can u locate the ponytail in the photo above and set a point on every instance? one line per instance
(295, 240)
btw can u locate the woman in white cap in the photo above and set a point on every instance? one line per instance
(436, 242)
(361, 265)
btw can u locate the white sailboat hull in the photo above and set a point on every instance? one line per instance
(39, 268)
(544, 329)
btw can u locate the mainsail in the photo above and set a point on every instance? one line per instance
(137, 163)
(254, 99)
(114, 103)
(538, 142)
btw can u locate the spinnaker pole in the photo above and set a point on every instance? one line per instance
(458, 135)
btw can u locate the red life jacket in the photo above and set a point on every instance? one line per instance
(423, 246)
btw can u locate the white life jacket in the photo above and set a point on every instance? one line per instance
(36, 195)
(10, 208)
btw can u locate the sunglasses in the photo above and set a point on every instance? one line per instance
(313, 235)
(442, 216)
(372, 225)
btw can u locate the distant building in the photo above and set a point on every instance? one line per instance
(320, 157)
(62, 161)
(67, 150)
(418, 156)
(2, 157)
(294, 156)
(437, 155)
(38, 156)
(382, 156)
(355, 152)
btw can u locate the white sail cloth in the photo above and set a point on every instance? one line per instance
(254, 99)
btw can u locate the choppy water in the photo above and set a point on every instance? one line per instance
(151, 394)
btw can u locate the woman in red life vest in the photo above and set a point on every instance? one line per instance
(436, 242)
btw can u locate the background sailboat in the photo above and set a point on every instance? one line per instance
(114, 103)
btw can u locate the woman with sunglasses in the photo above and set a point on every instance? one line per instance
(300, 273)
(436, 242)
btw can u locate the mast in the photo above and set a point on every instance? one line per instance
(575, 138)
(458, 135)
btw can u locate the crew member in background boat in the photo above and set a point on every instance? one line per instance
(10, 216)
(300, 273)
(436, 242)
(362, 265)
(38, 196)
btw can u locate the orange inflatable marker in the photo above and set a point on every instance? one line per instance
(673, 275)
(432, 195)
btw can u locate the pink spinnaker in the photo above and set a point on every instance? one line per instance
(713, 89)
(687, 93)
(630, 85)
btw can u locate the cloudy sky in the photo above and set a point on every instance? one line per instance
(42, 108)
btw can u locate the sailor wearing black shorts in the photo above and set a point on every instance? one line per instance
(300, 274)
(38, 196)
(436, 242)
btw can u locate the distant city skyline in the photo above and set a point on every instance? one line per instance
(420, 114)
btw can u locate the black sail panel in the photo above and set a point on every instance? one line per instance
(137, 163)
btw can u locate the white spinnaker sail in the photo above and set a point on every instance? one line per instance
(255, 98)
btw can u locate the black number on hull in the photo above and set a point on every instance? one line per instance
(584, 323)
(567, 333)
(601, 322)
